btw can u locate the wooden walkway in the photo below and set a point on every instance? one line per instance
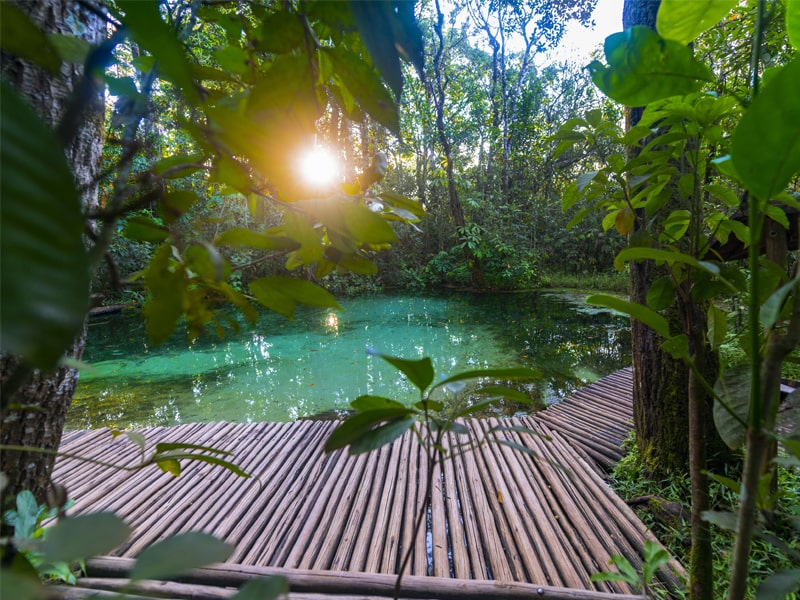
(545, 517)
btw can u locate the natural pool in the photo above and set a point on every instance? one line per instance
(284, 370)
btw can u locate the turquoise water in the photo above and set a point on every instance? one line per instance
(284, 370)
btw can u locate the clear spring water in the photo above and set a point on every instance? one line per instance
(284, 370)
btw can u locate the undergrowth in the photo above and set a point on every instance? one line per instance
(629, 480)
(612, 282)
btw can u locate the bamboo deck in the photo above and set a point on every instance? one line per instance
(497, 514)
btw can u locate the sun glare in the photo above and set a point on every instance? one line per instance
(319, 167)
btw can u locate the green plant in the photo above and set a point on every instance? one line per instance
(668, 193)
(769, 555)
(378, 420)
(27, 521)
(49, 552)
(654, 557)
(73, 539)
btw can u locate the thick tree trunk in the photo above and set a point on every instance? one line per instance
(45, 398)
(660, 415)
(672, 409)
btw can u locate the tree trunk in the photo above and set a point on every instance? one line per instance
(47, 396)
(701, 564)
(659, 381)
(436, 90)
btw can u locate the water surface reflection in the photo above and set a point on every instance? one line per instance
(285, 370)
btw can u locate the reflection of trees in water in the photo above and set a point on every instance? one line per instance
(570, 344)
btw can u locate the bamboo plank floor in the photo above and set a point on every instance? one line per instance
(544, 516)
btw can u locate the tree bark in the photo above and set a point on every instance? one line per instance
(659, 382)
(437, 92)
(46, 397)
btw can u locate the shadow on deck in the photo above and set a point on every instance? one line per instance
(499, 519)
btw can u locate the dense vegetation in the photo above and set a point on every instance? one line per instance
(498, 110)
(478, 166)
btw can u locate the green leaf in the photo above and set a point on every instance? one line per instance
(727, 195)
(777, 214)
(81, 537)
(206, 73)
(373, 20)
(733, 387)
(135, 437)
(271, 298)
(70, 48)
(381, 435)
(171, 164)
(654, 557)
(25, 519)
(359, 424)
(365, 86)
(169, 462)
(624, 220)
(366, 226)
(402, 202)
(178, 554)
(175, 204)
(661, 293)
(766, 143)
(169, 465)
(240, 237)
(683, 21)
(364, 403)
(643, 67)
(717, 325)
(675, 225)
(723, 520)
(21, 37)
(233, 59)
(419, 372)
(584, 179)
(44, 269)
(152, 34)
(19, 585)
(263, 588)
(429, 405)
(144, 229)
(669, 256)
(164, 306)
(458, 428)
(512, 373)
(204, 262)
(731, 484)
(793, 22)
(626, 568)
(724, 164)
(780, 584)
(281, 293)
(770, 311)
(504, 392)
(280, 33)
(641, 313)
(123, 87)
(167, 446)
(607, 576)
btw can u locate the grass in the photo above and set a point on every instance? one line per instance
(629, 480)
(612, 282)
